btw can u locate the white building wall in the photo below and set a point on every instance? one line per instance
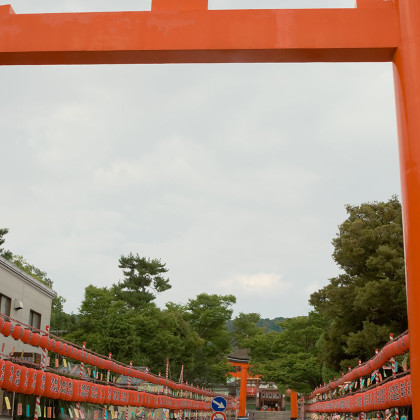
(34, 295)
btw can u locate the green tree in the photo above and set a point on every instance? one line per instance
(3, 252)
(119, 333)
(61, 322)
(30, 269)
(143, 278)
(146, 336)
(245, 328)
(3, 232)
(208, 316)
(290, 358)
(368, 301)
(92, 318)
(271, 324)
(165, 334)
(107, 325)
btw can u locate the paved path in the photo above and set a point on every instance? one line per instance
(270, 415)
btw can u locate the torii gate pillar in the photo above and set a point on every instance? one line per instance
(242, 375)
(407, 93)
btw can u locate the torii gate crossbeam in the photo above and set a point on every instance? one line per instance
(199, 36)
(184, 31)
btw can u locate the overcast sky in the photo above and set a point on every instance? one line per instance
(235, 176)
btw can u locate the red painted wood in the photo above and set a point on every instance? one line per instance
(223, 36)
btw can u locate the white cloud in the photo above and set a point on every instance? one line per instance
(256, 284)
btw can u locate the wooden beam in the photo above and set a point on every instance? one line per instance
(200, 36)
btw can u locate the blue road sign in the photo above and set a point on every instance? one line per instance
(219, 404)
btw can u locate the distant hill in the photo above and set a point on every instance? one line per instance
(268, 324)
(271, 324)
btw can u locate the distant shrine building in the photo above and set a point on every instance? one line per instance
(25, 300)
(260, 395)
(269, 397)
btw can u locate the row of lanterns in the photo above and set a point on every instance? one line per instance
(392, 349)
(27, 336)
(395, 393)
(23, 380)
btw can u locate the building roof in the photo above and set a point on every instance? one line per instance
(239, 355)
(25, 277)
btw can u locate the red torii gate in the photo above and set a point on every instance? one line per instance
(242, 374)
(184, 31)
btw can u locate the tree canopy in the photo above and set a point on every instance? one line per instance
(208, 316)
(245, 328)
(3, 232)
(368, 301)
(143, 278)
(3, 252)
(192, 335)
(290, 358)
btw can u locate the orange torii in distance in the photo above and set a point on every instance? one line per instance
(294, 405)
(184, 31)
(241, 373)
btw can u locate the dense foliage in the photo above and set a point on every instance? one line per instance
(2, 239)
(291, 358)
(265, 323)
(271, 324)
(143, 278)
(368, 301)
(192, 335)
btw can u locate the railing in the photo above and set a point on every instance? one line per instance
(393, 392)
(17, 375)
